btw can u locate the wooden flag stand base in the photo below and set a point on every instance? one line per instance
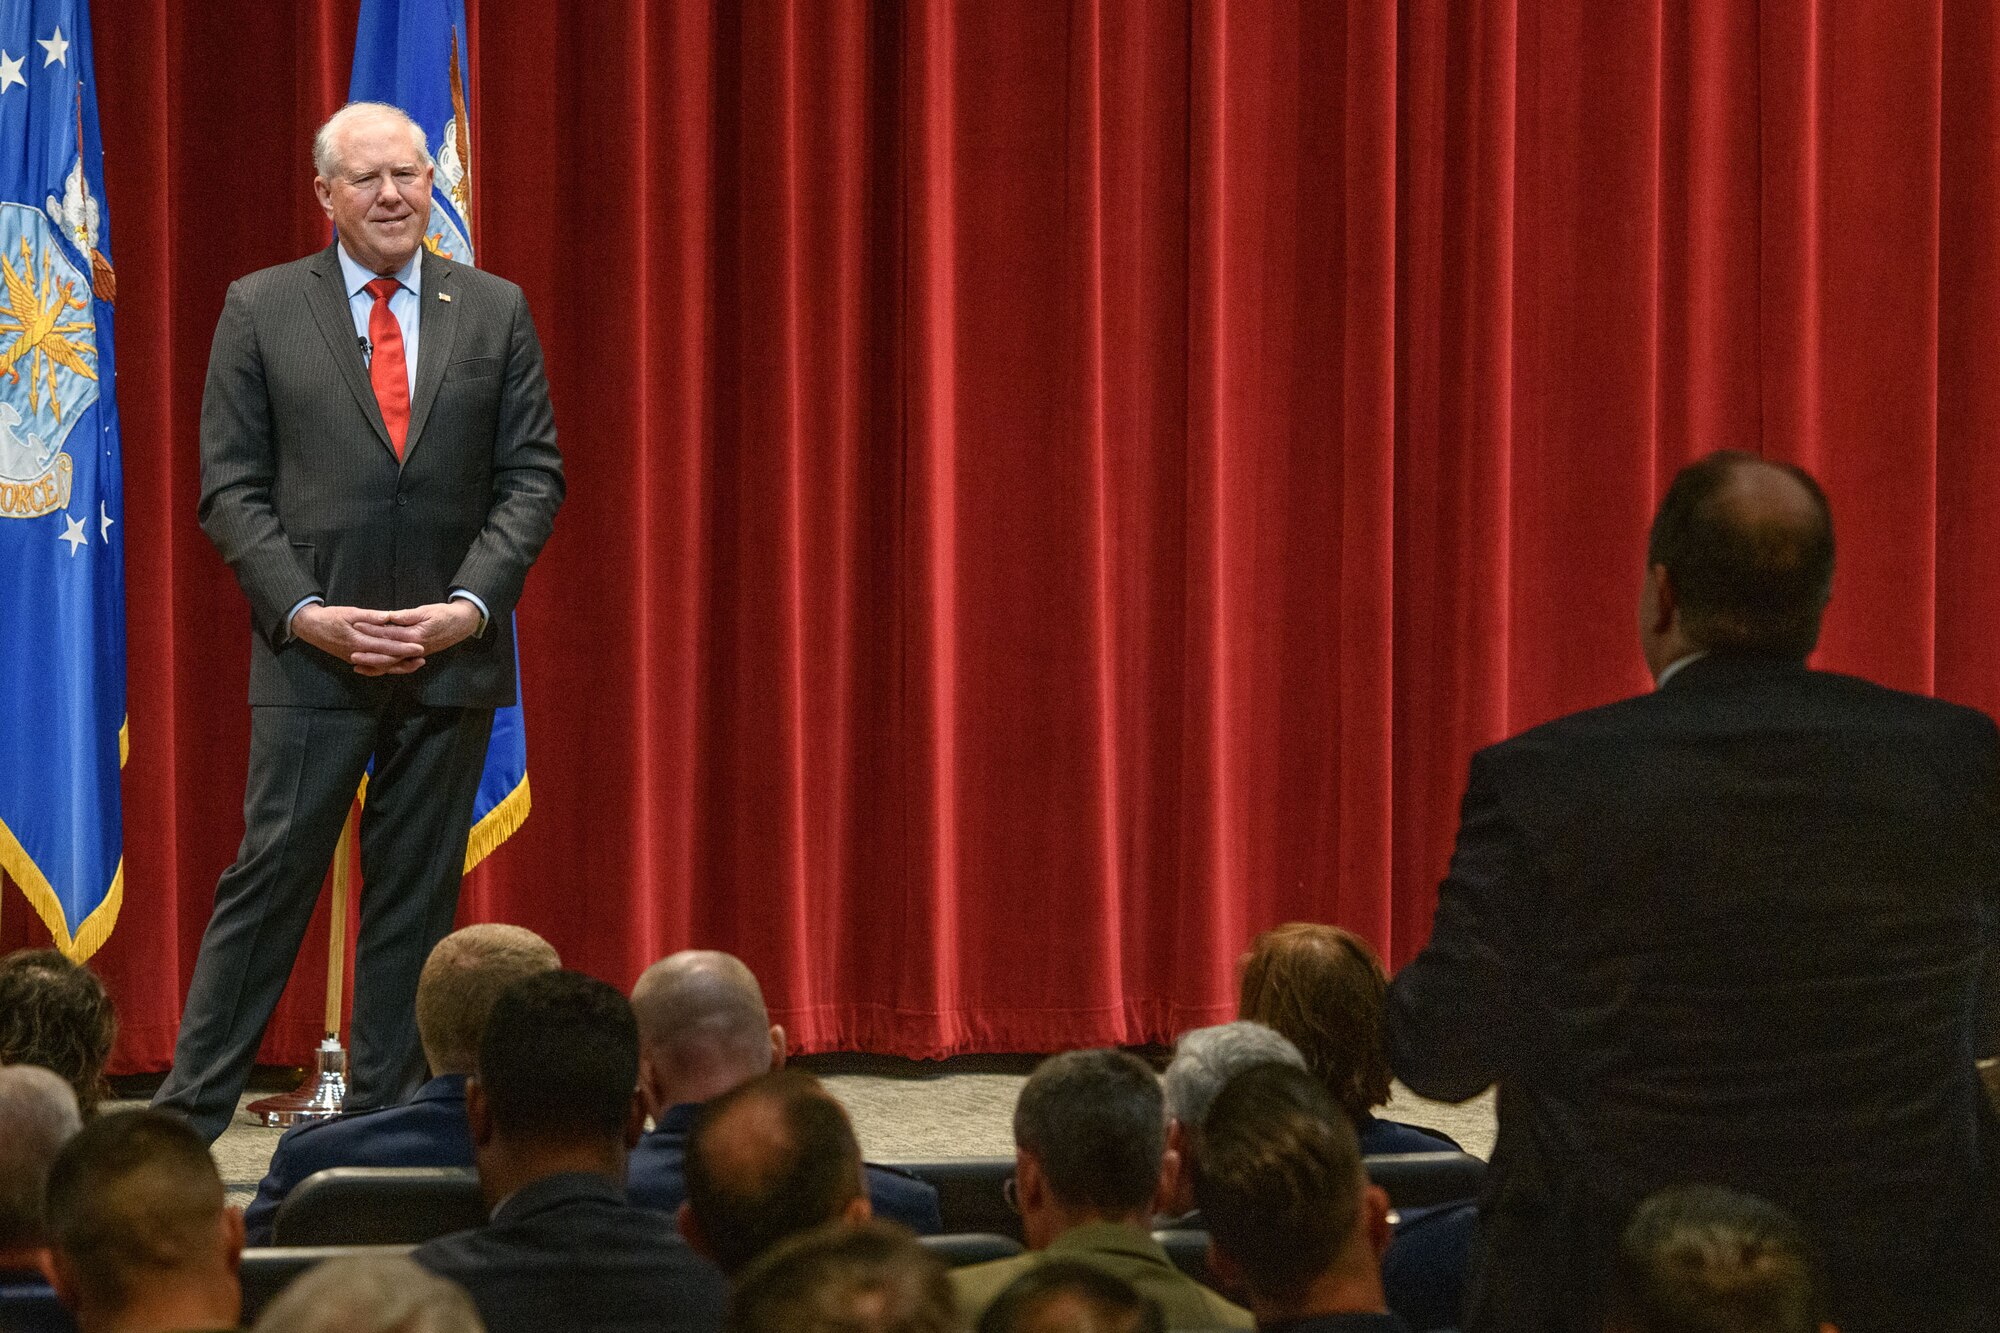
(321, 1095)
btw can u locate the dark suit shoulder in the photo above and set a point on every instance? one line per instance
(577, 1260)
(285, 281)
(1725, 697)
(468, 278)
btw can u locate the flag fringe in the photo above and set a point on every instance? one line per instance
(498, 824)
(494, 827)
(35, 886)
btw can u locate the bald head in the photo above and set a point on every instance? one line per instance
(462, 978)
(1740, 559)
(703, 1028)
(38, 1115)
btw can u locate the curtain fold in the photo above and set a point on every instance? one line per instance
(1058, 487)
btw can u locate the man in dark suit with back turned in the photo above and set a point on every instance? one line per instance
(379, 468)
(554, 1109)
(1730, 931)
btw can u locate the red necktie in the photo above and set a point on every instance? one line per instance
(385, 363)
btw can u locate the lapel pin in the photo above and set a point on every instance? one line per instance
(444, 296)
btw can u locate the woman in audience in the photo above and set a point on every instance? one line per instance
(54, 1013)
(1322, 987)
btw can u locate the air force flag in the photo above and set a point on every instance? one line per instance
(62, 564)
(412, 54)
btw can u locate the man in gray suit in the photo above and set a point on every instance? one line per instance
(379, 468)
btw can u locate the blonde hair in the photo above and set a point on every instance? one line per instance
(462, 978)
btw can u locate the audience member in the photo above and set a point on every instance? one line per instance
(1292, 1219)
(54, 1013)
(553, 1110)
(463, 976)
(867, 1277)
(1731, 930)
(1288, 970)
(1089, 1147)
(1204, 1060)
(37, 1117)
(370, 1293)
(1063, 1296)
(703, 1030)
(1322, 988)
(766, 1160)
(1704, 1259)
(140, 1239)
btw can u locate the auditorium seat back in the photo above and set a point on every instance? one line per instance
(970, 1248)
(970, 1197)
(1188, 1248)
(1425, 1179)
(380, 1205)
(33, 1309)
(270, 1269)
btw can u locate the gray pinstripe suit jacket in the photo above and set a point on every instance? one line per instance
(302, 493)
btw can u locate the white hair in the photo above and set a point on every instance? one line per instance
(326, 160)
(37, 1117)
(371, 1293)
(1205, 1059)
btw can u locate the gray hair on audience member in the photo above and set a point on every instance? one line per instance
(1096, 1124)
(38, 1115)
(371, 1293)
(326, 154)
(1207, 1058)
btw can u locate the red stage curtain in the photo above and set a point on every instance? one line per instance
(1056, 488)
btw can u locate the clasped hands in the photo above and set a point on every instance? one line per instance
(385, 643)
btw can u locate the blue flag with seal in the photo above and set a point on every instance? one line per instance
(412, 54)
(62, 561)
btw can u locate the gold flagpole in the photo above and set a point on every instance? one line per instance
(321, 1095)
(336, 930)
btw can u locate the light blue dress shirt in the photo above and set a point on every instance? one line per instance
(403, 305)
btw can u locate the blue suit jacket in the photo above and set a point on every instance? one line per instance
(427, 1130)
(1733, 931)
(568, 1254)
(654, 1177)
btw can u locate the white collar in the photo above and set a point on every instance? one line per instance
(1676, 665)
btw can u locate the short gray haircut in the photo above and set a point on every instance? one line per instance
(371, 1293)
(1207, 1058)
(38, 1116)
(326, 160)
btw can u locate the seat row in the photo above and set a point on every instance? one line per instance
(349, 1206)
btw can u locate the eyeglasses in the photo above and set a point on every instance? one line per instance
(1011, 1192)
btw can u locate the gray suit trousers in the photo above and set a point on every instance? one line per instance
(305, 764)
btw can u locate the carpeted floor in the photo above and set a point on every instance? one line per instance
(904, 1110)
